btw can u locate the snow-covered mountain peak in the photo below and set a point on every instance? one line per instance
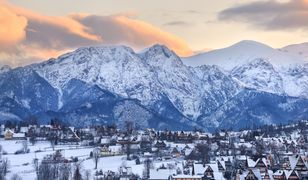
(243, 52)
(160, 55)
(250, 44)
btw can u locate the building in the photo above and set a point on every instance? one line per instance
(8, 134)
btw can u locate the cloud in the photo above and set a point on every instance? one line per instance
(177, 23)
(270, 15)
(120, 29)
(34, 35)
(12, 29)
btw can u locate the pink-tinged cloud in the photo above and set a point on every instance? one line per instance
(151, 34)
(120, 29)
(12, 29)
(66, 23)
(44, 36)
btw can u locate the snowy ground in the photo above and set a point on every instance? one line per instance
(21, 164)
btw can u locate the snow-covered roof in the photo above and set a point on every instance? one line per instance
(288, 173)
(182, 176)
(199, 169)
(222, 162)
(218, 176)
(251, 163)
(213, 166)
(115, 148)
(9, 131)
(161, 173)
(24, 129)
(19, 135)
(294, 160)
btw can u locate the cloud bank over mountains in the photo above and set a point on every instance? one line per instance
(27, 36)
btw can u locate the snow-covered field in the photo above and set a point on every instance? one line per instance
(22, 164)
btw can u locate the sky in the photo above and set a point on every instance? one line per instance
(36, 30)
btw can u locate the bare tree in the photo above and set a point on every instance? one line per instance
(52, 143)
(147, 167)
(53, 139)
(203, 151)
(48, 169)
(25, 146)
(65, 171)
(87, 175)
(129, 125)
(1, 151)
(77, 173)
(4, 166)
(36, 166)
(96, 156)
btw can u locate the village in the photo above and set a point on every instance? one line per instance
(56, 151)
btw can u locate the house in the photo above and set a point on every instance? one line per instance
(176, 152)
(292, 175)
(125, 173)
(261, 164)
(8, 134)
(298, 163)
(208, 171)
(251, 174)
(160, 145)
(221, 165)
(267, 175)
(105, 141)
(279, 175)
(116, 149)
(105, 151)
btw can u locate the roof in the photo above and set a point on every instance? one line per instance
(294, 160)
(19, 135)
(199, 169)
(187, 176)
(9, 131)
(222, 162)
(218, 176)
(213, 166)
(288, 173)
(251, 163)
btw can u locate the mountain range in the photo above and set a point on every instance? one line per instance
(245, 85)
